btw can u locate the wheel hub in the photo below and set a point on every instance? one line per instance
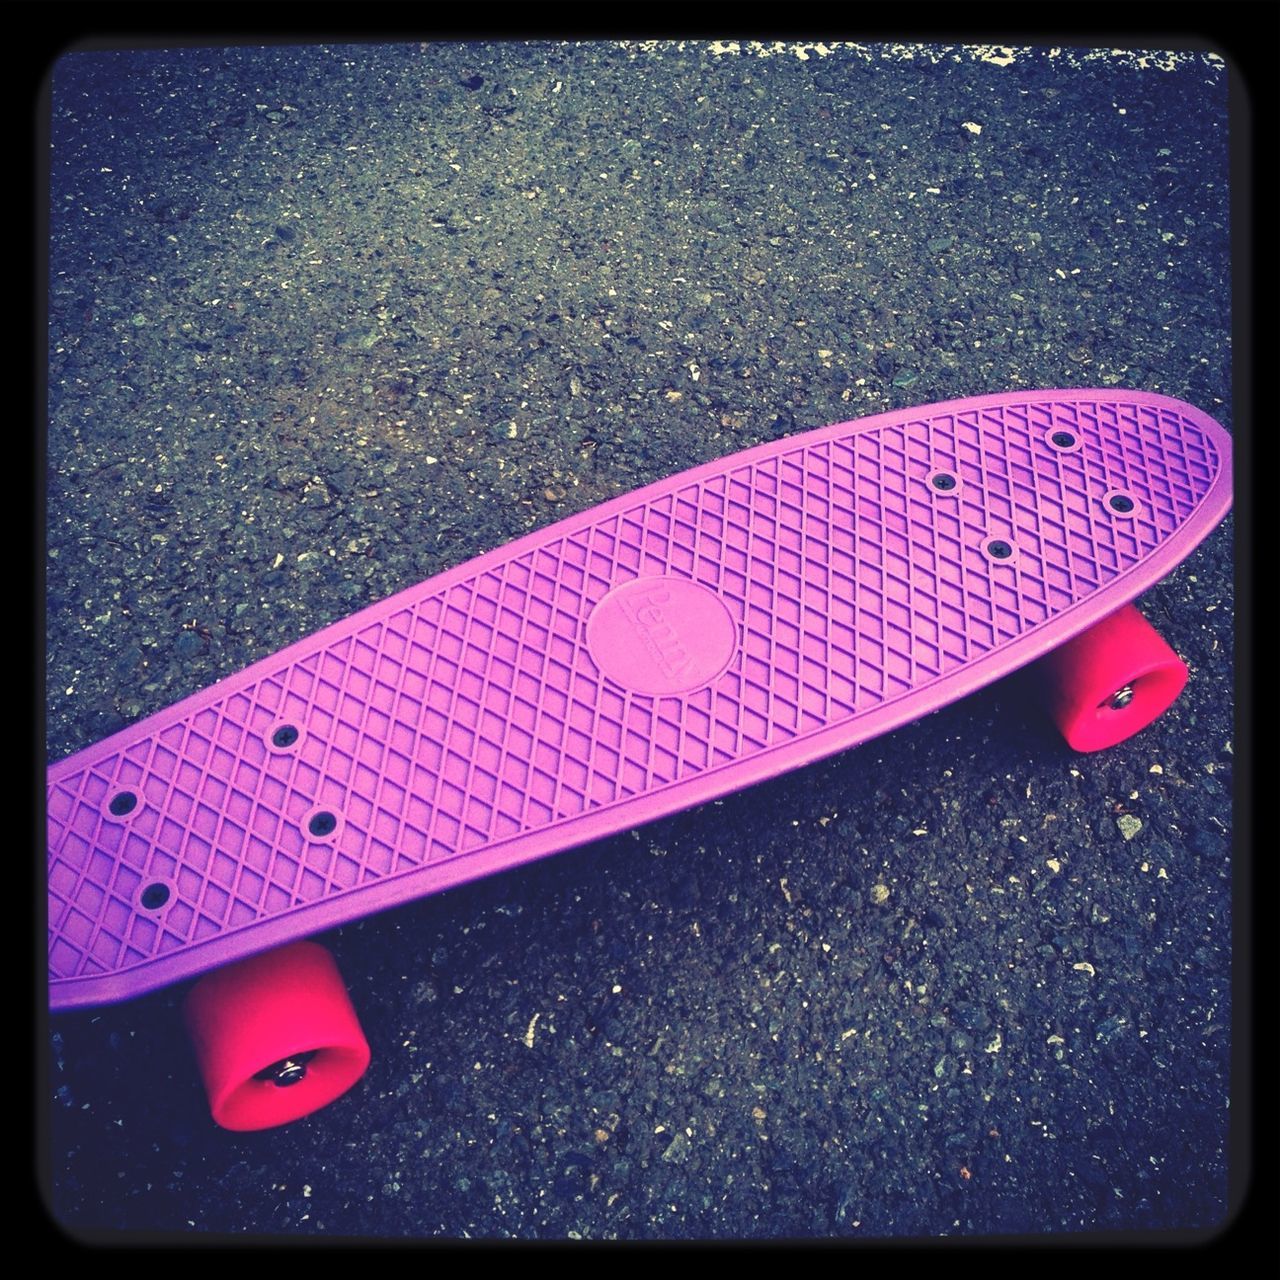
(288, 1071)
(1121, 698)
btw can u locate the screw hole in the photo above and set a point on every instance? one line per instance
(1121, 503)
(1063, 439)
(999, 549)
(322, 824)
(285, 736)
(154, 896)
(944, 481)
(125, 802)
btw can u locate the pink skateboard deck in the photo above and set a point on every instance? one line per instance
(670, 646)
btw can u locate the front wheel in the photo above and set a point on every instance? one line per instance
(1112, 681)
(276, 1037)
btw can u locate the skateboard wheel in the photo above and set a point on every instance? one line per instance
(1111, 681)
(276, 1037)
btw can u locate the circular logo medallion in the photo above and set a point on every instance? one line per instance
(662, 635)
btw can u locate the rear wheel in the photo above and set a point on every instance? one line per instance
(276, 1037)
(1111, 682)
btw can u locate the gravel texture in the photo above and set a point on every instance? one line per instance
(327, 320)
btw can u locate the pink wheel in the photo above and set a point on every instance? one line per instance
(1115, 679)
(276, 1037)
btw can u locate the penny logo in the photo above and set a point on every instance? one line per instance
(662, 635)
(657, 632)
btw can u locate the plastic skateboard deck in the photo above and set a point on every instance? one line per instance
(670, 646)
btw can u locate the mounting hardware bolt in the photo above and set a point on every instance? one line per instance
(288, 1071)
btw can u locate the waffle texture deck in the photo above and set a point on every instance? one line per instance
(665, 648)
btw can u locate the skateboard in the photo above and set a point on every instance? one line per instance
(672, 645)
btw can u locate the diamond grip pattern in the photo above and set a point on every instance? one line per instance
(462, 726)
